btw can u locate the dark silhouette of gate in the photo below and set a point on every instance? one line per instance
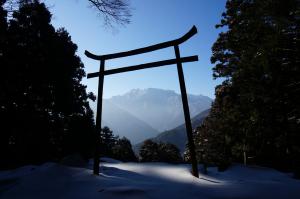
(178, 60)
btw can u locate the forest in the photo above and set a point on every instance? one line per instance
(254, 119)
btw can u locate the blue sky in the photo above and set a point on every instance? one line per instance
(153, 22)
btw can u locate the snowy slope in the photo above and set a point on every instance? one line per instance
(147, 180)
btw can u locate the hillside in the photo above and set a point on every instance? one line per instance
(177, 136)
(125, 124)
(161, 109)
(143, 113)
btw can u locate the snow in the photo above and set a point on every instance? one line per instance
(145, 180)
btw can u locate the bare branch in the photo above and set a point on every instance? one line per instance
(113, 11)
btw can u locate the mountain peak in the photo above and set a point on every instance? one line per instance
(161, 109)
(149, 91)
(156, 92)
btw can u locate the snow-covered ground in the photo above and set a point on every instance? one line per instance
(147, 180)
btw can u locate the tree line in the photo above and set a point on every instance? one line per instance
(45, 112)
(150, 151)
(44, 108)
(255, 117)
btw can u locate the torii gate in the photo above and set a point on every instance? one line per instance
(179, 60)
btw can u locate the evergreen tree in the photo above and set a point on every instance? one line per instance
(4, 136)
(123, 151)
(80, 139)
(112, 146)
(169, 153)
(3, 25)
(149, 151)
(41, 95)
(107, 141)
(255, 113)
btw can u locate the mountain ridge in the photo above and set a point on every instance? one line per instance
(143, 113)
(161, 109)
(177, 136)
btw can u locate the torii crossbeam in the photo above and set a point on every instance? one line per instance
(178, 61)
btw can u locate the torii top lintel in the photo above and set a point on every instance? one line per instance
(147, 49)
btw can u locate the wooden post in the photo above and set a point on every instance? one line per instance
(99, 118)
(188, 124)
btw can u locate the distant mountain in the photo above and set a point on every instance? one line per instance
(125, 124)
(161, 109)
(143, 113)
(177, 136)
